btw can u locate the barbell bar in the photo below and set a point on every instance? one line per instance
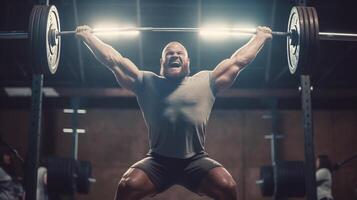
(13, 35)
(172, 29)
(322, 35)
(302, 37)
(347, 37)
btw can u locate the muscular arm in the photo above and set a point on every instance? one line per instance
(227, 70)
(125, 71)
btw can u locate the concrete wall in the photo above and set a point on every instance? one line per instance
(116, 138)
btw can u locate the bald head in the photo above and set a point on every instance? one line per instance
(173, 44)
(174, 61)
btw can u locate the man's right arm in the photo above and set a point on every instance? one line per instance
(126, 72)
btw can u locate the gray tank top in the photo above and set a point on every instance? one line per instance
(176, 113)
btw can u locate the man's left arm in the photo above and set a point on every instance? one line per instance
(227, 70)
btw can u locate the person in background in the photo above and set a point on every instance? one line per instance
(10, 182)
(42, 184)
(324, 177)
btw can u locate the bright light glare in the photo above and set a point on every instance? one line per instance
(110, 30)
(212, 32)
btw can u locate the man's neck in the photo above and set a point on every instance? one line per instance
(176, 80)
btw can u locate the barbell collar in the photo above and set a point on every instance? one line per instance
(13, 35)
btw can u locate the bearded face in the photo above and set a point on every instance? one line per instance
(175, 62)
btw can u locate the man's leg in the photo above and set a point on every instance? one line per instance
(134, 184)
(219, 184)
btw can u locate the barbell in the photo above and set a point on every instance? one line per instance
(302, 35)
(68, 176)
(284, 179)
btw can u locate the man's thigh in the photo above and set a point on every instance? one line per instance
(135, 184)
(218, 181)
(157, 171)
(197, 169)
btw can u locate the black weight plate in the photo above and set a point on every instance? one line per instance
(290, 179)
(84, 172)
(316, 45)
(37, 43)
(311, 54)
(45, 56)
(61, 176)
(267, 176)
(33, 37)
(305, 64)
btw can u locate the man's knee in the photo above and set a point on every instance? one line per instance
(228, 190)
(129, 185)
(127, 189)
(131, 188)
(219, 184)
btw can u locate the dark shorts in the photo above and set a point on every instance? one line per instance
(165, 172)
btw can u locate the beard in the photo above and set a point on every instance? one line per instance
(175, 71)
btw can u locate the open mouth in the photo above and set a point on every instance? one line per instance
(174, 64)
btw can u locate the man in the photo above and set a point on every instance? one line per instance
(176, 108)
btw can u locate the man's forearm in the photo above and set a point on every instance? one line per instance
(125, 71)
(103, 52)
(249, 51)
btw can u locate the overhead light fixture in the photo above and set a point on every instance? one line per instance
(79, 111)
(26, 91)
(70, 130)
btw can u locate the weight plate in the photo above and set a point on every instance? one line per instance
(53, 50)
(293, 47)
(305, 41)
(45, 54)
(302, 50)
(311, 48)
(33, 37)
(267, 176)
(290, 179)
(61, 176)
(315, 47)
(84, 172)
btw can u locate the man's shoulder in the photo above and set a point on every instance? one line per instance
(202, 73)
(149, 75)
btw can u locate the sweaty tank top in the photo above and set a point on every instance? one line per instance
(175, 112)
